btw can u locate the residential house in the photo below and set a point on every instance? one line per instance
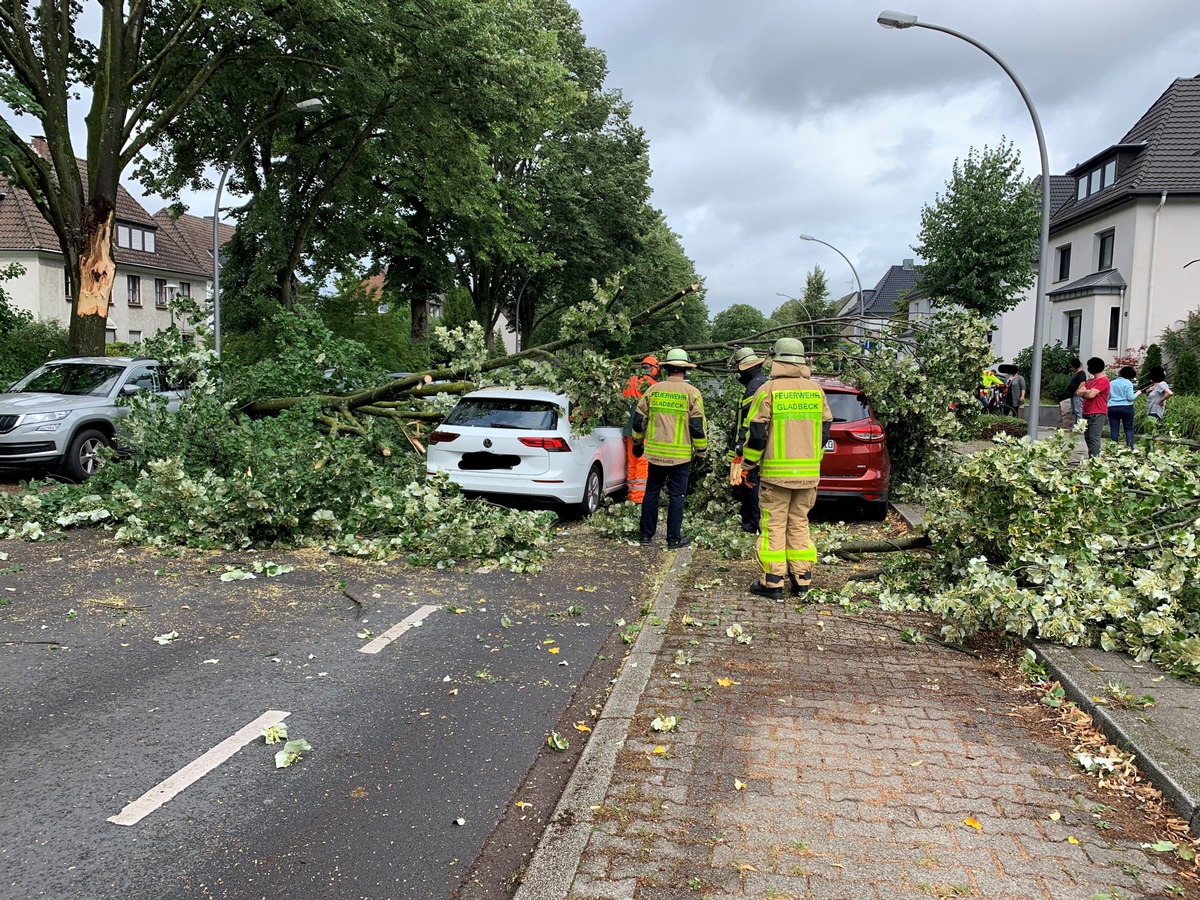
(155, 256)
(1122, 237)
(890, 298)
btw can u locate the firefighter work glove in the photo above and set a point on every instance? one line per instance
(638, 450)
(749, 478)
(736, 474)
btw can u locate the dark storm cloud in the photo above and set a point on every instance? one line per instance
(773, 117)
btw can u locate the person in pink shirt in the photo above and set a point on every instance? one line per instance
(1094, 392)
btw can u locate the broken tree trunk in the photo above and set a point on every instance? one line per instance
(849, 549)
(423, 384)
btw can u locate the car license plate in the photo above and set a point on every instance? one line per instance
(830, 446)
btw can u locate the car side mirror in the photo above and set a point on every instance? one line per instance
(129, 390)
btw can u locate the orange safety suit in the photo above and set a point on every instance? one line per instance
(636, 468)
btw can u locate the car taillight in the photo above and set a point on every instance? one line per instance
(549, 444)
(868, 435)
(443, 437)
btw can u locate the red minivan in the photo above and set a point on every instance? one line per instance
(856, 465)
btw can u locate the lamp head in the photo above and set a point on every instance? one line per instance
(807, 237)
(312, 104)
(889, 18)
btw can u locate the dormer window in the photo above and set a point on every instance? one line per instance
(1096, 180)
(131, 237)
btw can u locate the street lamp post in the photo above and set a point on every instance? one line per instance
(305, 106)
(857, 282)
(891, 19)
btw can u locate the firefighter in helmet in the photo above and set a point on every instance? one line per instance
(789, 425)
(669, 430)
(749, 366)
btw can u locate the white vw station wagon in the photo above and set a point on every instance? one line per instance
(518, 443)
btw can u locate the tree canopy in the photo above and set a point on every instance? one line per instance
(980, 237)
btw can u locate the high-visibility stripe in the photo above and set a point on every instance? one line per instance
(672, 451)
(808, 554)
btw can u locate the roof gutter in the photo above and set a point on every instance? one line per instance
(1162, 201)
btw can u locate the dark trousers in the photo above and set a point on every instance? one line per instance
(747, 498)
(676, 480)
(1119, 416)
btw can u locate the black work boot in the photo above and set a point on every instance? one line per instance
(799, 589)
(772, 590)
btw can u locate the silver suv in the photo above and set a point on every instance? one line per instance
(61, 414)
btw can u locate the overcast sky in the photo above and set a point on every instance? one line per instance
(772, 118)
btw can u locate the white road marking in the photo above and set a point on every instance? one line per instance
(398, 629)
(137, 810)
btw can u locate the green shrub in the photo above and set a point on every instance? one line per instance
(1104, 553)
(29, 344)
(1186, 377)
(1056, 369)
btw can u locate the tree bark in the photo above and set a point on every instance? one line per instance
(854, 548)
(97, 273)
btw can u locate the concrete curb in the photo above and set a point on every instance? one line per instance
(1164, 762)
(1163, 741)
(551, 871)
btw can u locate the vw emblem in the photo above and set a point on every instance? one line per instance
(487, 442)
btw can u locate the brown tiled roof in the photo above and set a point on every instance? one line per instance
(180, 246)
(193, 234)
(1160, 153)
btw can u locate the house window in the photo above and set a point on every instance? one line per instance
(135, 337)
(1114, 327)
(1064, 263)
(1104, 260)
(1097, 180)
(133, 238)
(134, 289)
(1074, 329)
(110, 335)
(185, 289)
(160, 292)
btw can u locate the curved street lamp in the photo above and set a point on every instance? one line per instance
(861, 311)
(305, 106)
(892, 19)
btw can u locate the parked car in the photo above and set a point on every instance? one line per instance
(511, 443)
(63, 413)
(856, 464)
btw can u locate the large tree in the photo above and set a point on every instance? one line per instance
(149, 61)
(737, 322)
(980, 238)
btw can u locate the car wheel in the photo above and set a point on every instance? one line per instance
(875, 511)
(592, 490)
(83, 455)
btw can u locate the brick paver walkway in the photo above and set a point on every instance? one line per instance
(863, 758)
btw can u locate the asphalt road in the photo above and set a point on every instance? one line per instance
(418, 749)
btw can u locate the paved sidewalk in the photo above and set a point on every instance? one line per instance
(871, 768)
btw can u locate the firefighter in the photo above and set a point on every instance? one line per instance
(789, 425)
(669, 430)
(750, 372)
(635, 468)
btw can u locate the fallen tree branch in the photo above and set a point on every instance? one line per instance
(849, 549)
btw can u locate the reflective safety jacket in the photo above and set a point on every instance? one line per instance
(737, 441)
(669, 422)
(789, 425)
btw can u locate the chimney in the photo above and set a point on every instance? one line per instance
(908, 264)
(40, 147)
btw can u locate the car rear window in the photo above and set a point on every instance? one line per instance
(504, 412)
(847, 407)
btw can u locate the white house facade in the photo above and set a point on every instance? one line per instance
(1121, 243)
(157, 257)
